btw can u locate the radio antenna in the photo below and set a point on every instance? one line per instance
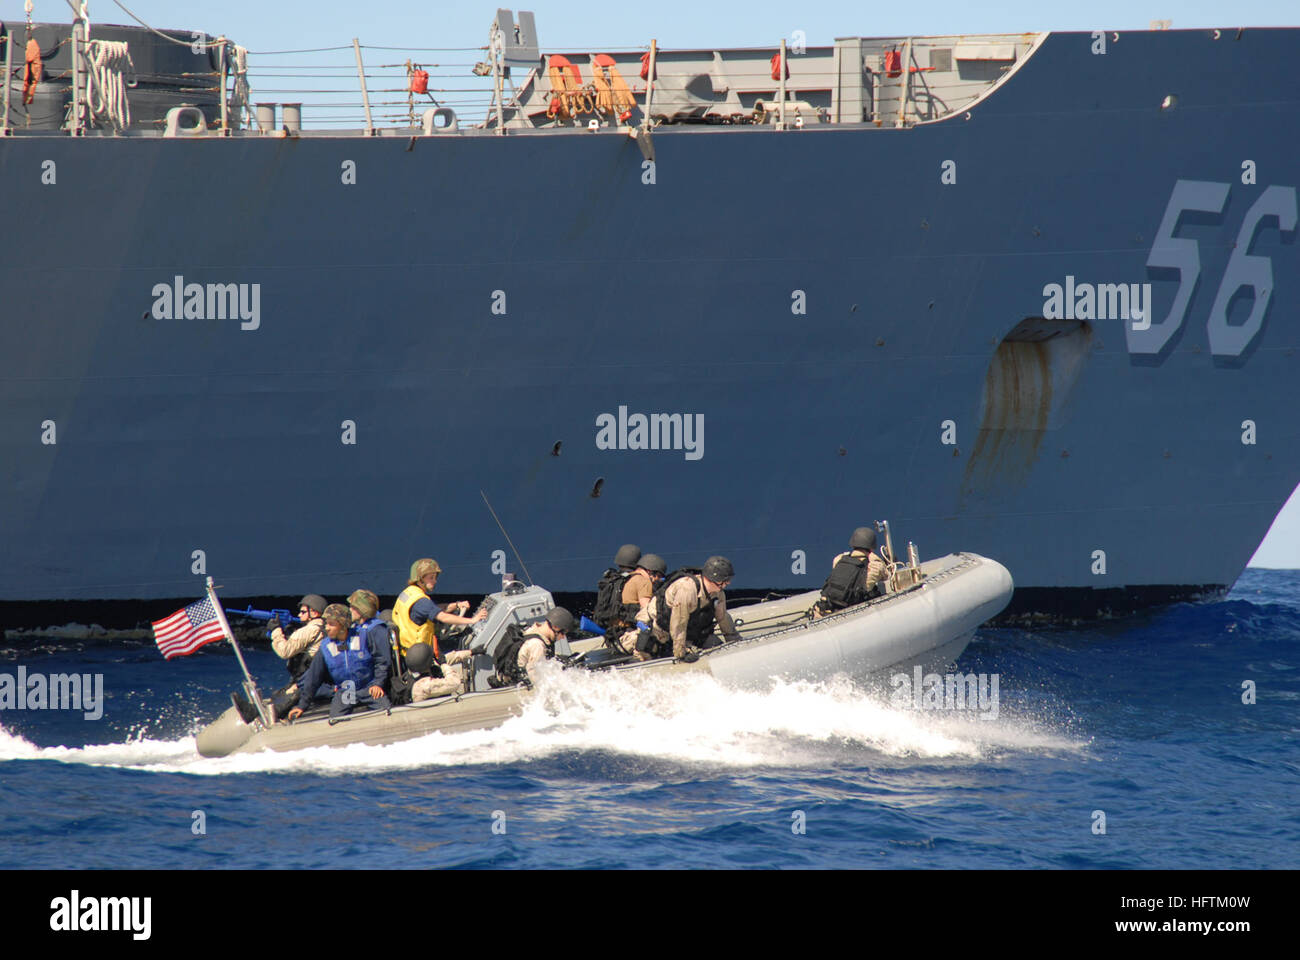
(502, 528)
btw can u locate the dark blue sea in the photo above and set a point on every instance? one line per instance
(1141, 721)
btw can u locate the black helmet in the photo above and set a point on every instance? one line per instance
(627, 555)
(561, 620)
(718, 569)
(864, 538)
(314, 602)
(419, 659)
(654, 563)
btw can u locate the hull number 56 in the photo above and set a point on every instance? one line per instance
(1244, 268)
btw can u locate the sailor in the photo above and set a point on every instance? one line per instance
(854, 574)
(431, 679)
(613, 614)
(366, 618)
(637, 593)
(683, 611)
(415, 613)
(627, 557)
(521, 654)
(640, 587)
(298, 648)
(354, 657)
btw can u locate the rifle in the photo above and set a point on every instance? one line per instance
(284, 616)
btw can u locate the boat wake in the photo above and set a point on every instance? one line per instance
(685, 720)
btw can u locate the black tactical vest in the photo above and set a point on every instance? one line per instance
(847, 584)
(700, 623)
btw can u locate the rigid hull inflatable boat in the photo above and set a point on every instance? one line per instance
(926, 618)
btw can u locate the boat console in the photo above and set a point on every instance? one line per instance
(516, 603)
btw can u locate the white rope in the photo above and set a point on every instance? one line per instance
(106, 81)
(241, 94)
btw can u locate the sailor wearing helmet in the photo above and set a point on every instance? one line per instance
(354, 658)
(415, 613)
(297, 649)
(854, 574)
(684, 610)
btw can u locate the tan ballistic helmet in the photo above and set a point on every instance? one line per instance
(422, 568)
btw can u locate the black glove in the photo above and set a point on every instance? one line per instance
(690, 656)
(273, 625)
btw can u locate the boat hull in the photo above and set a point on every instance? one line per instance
(928, 625)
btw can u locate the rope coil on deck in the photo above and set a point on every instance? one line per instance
(109, 65)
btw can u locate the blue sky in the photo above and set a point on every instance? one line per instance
(267, 26)
(258, 24)
(1281, 548)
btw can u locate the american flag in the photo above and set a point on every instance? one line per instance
(186, 630)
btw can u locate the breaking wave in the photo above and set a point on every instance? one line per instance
(686, 720)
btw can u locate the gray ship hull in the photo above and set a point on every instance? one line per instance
(184, 446)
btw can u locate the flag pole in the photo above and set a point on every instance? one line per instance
(250, 688)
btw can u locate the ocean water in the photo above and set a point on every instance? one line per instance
(1141, 721)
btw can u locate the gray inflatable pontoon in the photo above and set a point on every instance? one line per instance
(927, 618)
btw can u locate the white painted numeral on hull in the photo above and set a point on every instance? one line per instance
(1179, 254)
(1249, 270)
(1244, 269)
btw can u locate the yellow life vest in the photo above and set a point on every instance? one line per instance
(408, 634)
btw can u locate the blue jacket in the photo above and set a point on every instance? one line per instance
(364, 658)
